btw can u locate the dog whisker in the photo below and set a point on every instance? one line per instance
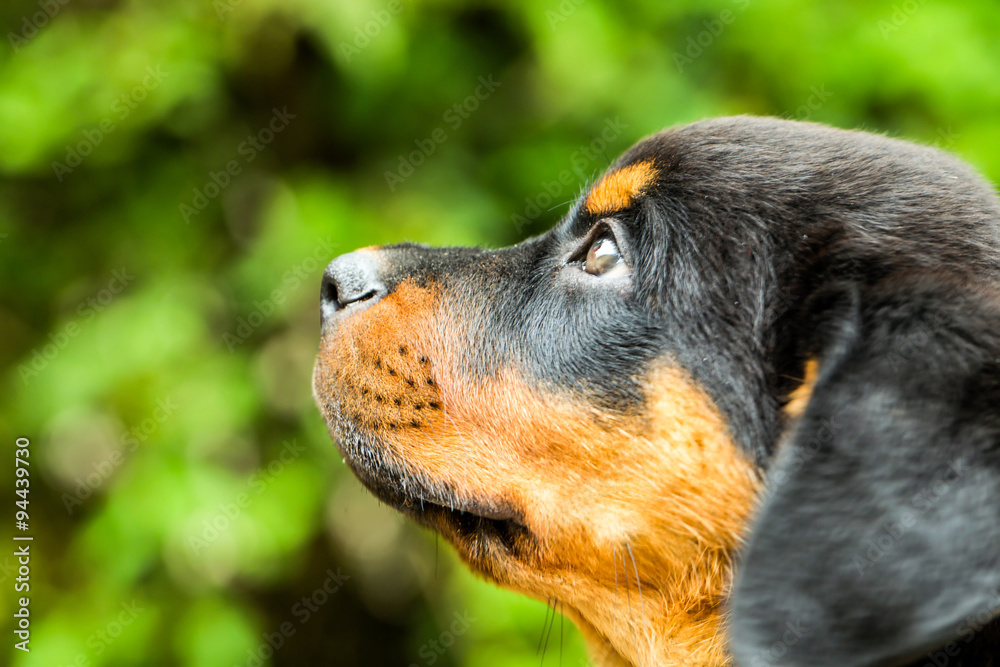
(638, 583)
(628, 598)
(552, 621)
(545, 622)
(560, 205)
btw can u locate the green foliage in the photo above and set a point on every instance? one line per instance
(175, 176)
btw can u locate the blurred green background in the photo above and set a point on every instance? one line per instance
(175, 176)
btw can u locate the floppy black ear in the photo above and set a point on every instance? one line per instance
(879, 540)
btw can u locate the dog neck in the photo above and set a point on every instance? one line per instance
(646, 622)
(662, 599)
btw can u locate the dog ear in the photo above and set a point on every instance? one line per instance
(879, 540)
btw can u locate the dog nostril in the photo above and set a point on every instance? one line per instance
(370, 294)
(350, 279)
(328, 293)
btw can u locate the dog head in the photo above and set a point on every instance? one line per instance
(588, 416)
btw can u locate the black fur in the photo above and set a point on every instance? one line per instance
(761, 244)
(881, 535)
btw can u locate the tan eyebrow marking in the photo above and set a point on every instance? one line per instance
(618, 188)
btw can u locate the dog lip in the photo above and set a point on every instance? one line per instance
(408, 495)
(417, 499)
(485, 511)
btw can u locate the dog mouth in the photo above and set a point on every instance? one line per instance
(486, 531)
(468, 522)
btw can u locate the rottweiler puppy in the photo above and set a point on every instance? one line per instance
(742, 405)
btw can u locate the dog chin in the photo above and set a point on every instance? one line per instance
(489, 535)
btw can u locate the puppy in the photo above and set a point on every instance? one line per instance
(742, 405)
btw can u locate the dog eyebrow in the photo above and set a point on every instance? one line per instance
(618, 188)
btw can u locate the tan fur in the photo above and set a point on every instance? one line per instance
(617, 189)
(799, 399)
(666, 487)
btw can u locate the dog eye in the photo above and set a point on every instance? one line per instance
(603, 257)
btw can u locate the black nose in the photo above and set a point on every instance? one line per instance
(350, 279)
